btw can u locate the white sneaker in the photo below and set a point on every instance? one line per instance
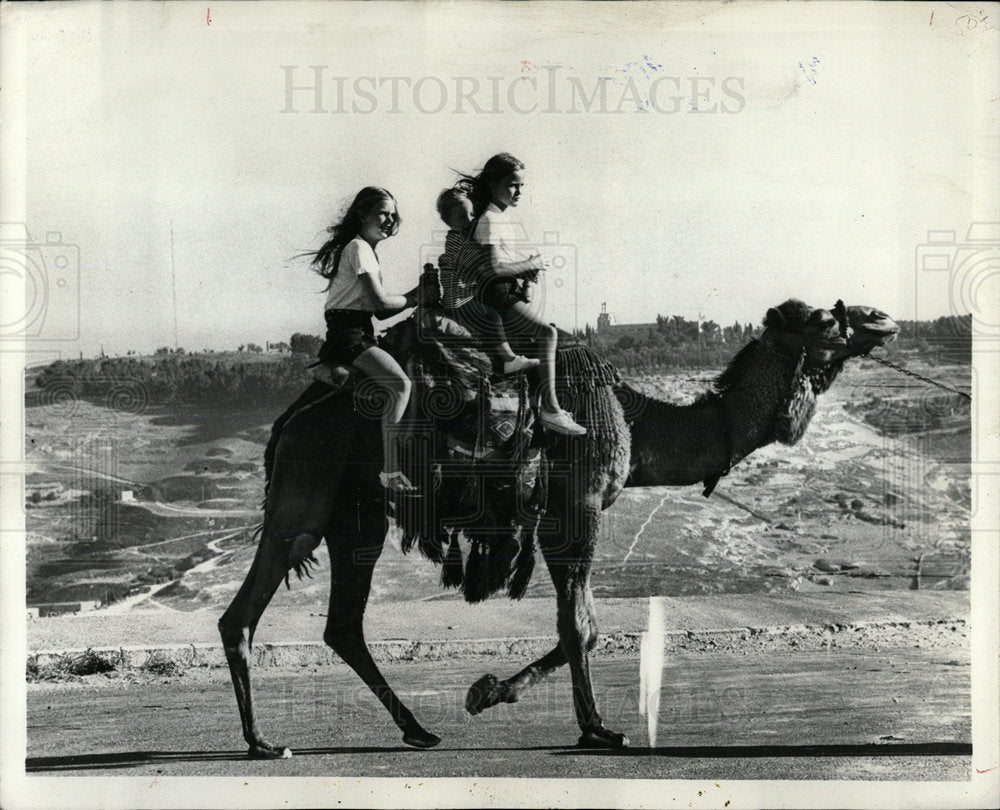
(561, 422)
(519, 363)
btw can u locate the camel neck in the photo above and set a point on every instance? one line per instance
(676, 445)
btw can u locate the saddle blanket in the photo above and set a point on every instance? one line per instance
(477, 414)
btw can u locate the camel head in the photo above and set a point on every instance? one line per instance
(870, 328)
(794, 326)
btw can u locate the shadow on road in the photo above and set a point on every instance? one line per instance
(931, 749)
(132, 759)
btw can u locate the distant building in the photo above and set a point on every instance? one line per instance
(63, 608)
(607, 329)
(127, 496)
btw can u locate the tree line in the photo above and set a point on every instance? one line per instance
(676, 342)
(131, 382)
(673, 342)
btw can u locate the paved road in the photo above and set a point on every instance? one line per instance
(892, 714)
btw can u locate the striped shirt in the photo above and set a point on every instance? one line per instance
(463, 266)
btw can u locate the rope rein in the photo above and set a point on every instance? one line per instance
(920, 377)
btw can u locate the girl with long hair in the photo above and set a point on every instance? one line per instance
(355, 294)
(493, 192)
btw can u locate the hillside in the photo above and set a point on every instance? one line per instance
(130, 495)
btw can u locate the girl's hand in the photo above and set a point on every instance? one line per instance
(428, 292)
(535, 262)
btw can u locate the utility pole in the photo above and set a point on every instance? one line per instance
(173, 282)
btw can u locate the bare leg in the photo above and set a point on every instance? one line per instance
(382, 368)
(487, 325)
(354, 550)
(504, 352)
(520, 320)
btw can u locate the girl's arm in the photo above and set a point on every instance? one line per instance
(489, 234)
(532, 264)
(382, 302)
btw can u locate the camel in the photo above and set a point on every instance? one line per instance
(323, 483)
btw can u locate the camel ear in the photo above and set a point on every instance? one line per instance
(774, 317)
(840, 312)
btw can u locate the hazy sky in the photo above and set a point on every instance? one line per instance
(827, 141)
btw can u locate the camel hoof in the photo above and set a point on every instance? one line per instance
(602, 738)
(419, 738)
(268, 751)
(482, 694)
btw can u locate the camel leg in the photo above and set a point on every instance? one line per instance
(568, 554)
(300, 501)
(237, 627)
(354, 550)
(574, 638)
(569, 565)
(488, 691)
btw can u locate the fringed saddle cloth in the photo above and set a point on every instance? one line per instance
(473, 450)
(480, 416)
